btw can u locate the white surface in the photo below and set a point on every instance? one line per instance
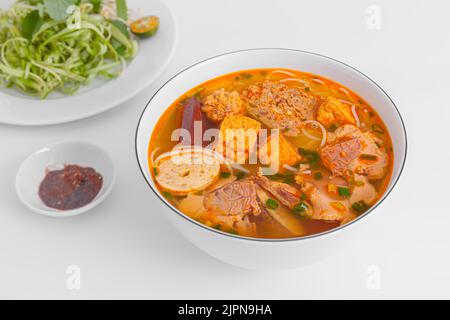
(269, 254)
(153, 56)
(33, 170)
(126, 249)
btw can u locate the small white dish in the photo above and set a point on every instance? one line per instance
(99, 96)
(33, 170)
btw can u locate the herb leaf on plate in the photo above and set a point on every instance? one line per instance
(122, 9)
(119, 24)
(57, 9)
(31, 23)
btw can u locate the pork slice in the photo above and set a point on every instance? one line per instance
(285, 193)
(280, 215)
(349, 148)
(233, 199)
(339, 157)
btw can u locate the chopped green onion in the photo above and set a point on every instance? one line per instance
(167, 194)
(311, 156)
(289, 178)
(300, 209)
(155, 171)
(271, 204)
(225, 174)
(360, 207)
(274, 177)
(365, 156)
(240, 175)
(333, 127)
(344, 192)
(246, 76)
(297, 164)
(318, 175)
(377, 128)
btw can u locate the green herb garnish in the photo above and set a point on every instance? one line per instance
(377, 128)
(122, 26)
(289, 178)
(271, 204)
(97, 5)
(344, 192)
(300, 209)
(167, 194)
(225, 174)
(122, 9)
(57, 9)
(318, 175)
(365, 156)
(240, 175)
(360, 207)
(31, 24)
(333, 127)
(311, 156)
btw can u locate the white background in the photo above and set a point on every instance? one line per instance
(127, 249)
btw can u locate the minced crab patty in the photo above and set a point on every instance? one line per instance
(221, 103)
(279, 106)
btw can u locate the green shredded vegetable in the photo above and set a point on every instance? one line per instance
(40, 55)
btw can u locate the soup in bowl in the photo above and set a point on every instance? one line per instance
(261, 152)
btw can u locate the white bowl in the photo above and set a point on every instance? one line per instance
(33, 170)
(268, 253)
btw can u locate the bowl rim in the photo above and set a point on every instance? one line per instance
(308, 237)
(49, 212)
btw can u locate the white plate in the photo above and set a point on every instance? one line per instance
(153, 56)
(33, 170)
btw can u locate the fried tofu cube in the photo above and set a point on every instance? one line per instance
(278, 155)
(333, 112)
(237, 138)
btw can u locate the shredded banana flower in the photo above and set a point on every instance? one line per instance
(61, 55)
